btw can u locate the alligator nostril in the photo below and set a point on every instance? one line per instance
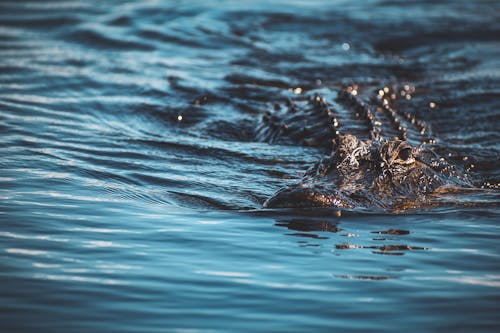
(404, 154)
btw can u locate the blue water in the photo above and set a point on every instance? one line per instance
(132, 184)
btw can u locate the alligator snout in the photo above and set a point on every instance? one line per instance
(306, 197)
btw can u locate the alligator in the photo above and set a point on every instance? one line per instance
(380, 153)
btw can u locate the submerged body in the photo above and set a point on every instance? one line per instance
(376, 172)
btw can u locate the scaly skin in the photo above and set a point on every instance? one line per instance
(371, 174)
(376, 172)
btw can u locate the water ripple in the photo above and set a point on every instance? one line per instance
(133, 174)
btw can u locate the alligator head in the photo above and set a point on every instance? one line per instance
(388, 174)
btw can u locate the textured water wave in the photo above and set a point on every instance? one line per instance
(132, 178)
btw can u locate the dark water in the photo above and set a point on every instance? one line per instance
(131, 180)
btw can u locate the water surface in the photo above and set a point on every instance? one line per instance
(132, 181)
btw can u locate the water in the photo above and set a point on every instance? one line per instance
(132, 183)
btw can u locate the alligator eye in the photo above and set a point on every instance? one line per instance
(405, 154)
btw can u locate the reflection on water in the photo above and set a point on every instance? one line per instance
(132, 171)
(308, 225)
(382, 249)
